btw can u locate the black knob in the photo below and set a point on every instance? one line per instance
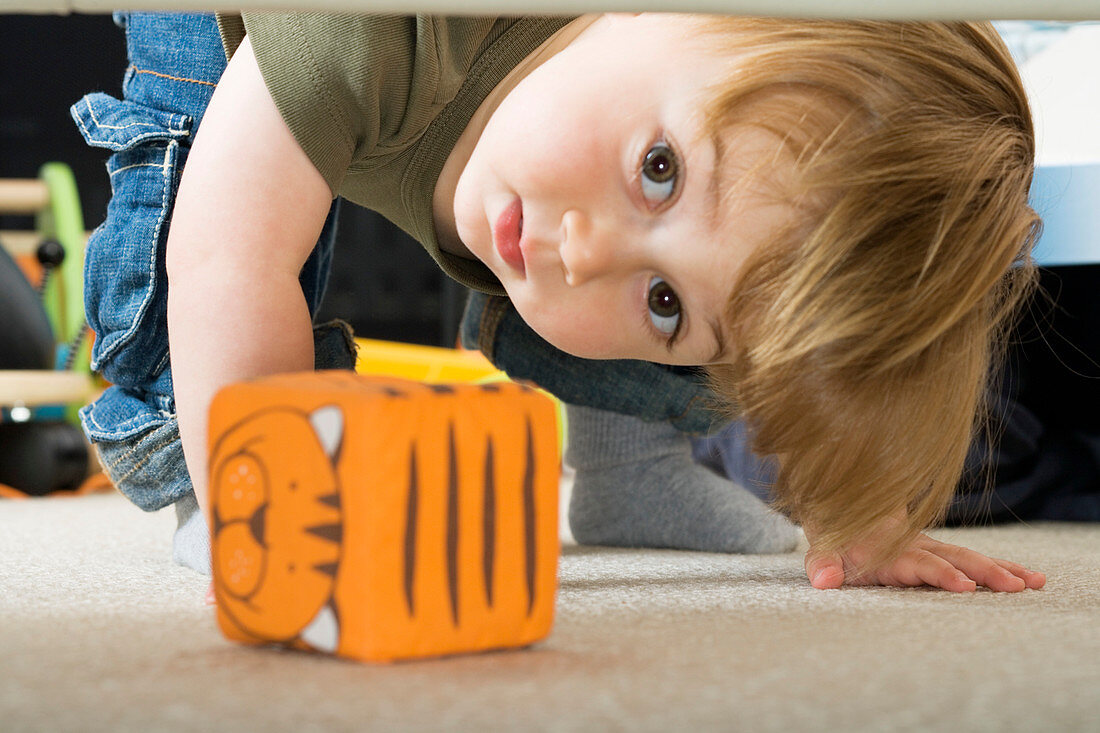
(50, 253)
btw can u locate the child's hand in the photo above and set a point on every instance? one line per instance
(925, 562)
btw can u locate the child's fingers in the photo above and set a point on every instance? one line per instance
(996, 578)
(983, 570)
(824, 571)
(1032, 578)
(937, 564)
(921, 567)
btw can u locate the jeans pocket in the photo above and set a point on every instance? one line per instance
(116, 124)
(125, 283)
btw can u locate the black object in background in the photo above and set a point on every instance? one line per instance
(1045, 458)
(386, 286)
(383, 283)
(26, 339)
(1057, 344)
(46, 64)
(39, 457)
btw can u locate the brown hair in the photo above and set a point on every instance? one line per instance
(863, 337)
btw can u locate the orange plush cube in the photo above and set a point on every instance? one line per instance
(380, 519)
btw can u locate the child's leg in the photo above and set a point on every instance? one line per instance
(728, 453)
(176, 59)
(637, 482)
(654, 392)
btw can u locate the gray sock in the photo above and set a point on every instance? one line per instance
(191, 542)
(637, 485)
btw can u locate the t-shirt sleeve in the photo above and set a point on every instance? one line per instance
(323, 72)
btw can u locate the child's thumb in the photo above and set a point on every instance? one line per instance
(824, 570)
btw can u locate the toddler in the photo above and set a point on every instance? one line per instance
(176, 60)
(831, 217)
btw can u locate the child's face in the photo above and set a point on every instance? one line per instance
(596, 196)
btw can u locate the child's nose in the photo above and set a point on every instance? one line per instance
(588, 247)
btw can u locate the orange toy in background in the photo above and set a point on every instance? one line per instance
(380, 519)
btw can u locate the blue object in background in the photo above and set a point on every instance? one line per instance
(1067, 197)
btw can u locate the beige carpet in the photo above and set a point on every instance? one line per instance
(100, 632)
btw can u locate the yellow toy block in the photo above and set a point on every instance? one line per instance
(431, 364)
(383, 519)
(436, 365)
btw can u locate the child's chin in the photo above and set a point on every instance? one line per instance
(569, 346)
(585, 351)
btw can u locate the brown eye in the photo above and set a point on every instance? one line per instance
(664, 306)
(660, 169)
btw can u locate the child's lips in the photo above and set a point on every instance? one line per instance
(506, 235)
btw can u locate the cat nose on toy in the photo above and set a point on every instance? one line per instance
(257, 523)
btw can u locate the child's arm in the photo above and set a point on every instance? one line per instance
(249, 210)
(925, 562)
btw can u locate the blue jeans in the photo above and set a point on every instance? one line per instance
(640, 388)
(176, 59)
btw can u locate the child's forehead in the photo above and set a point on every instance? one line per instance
(761, 205)
(753, 162)
(776, 134)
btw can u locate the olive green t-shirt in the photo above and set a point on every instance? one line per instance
(378, 101)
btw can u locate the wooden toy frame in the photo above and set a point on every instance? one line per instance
(53, 200)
